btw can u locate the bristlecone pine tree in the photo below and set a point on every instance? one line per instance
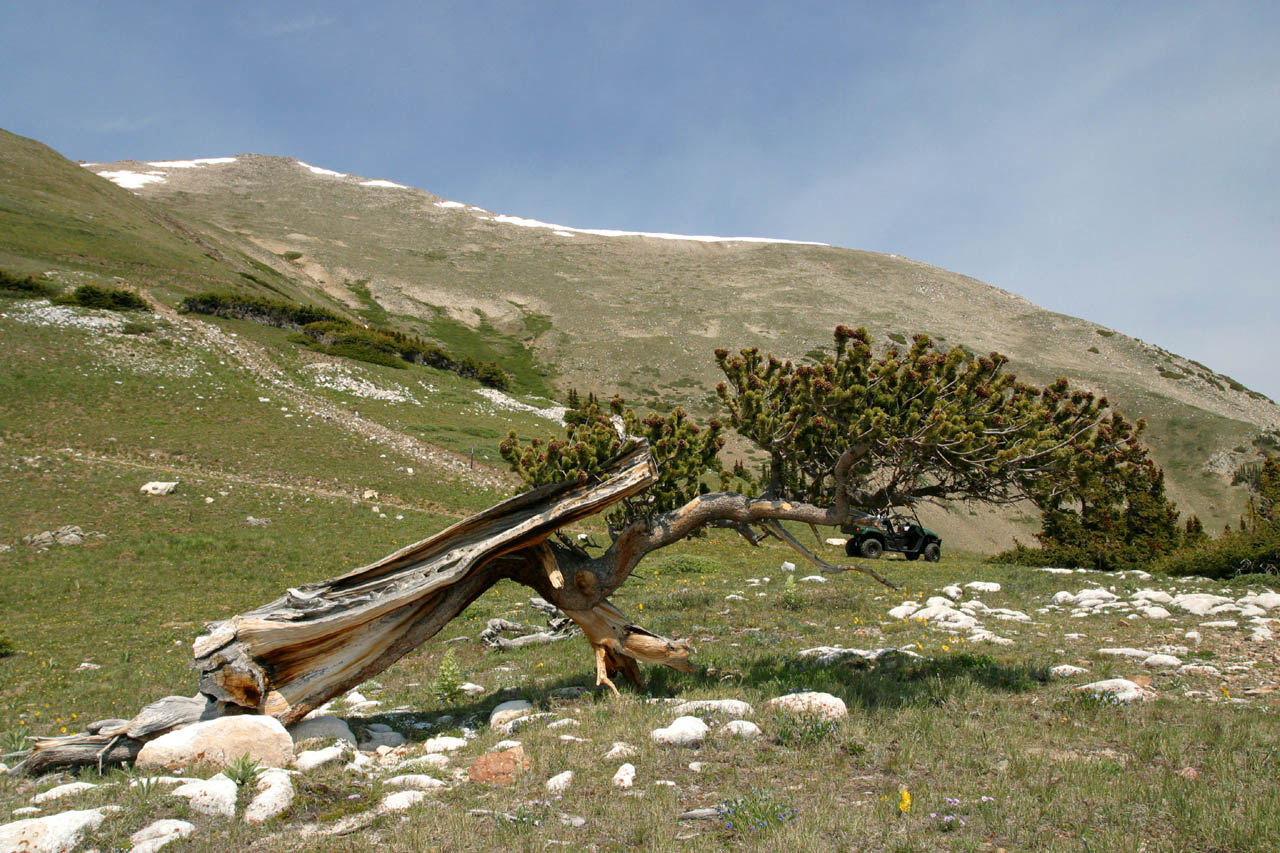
(851, 430)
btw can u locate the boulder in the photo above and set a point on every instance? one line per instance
(731, 707)
(620, 749)
(214, 796)
(326, 727)
(1066, 670)
(444, 743)
(220, 741)
(1199, 603)
(155, 835)
(1132, 654)
(1161, 661)
(59, 833)
(61, 791)
(499, 768)
(683, 731)
(743, 729)
(953, 592)
(313, 758)
(416, 781)
(401, 800)
(376, 739)
(560, 782)
(983, 586)
(822, 706)
(625, 777)
(1119, 690)
(274, 796)
(157, 487)
(508, 711)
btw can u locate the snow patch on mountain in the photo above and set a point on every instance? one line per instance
(133, 180)
(381, 183)
(317, 170)
(564, 230)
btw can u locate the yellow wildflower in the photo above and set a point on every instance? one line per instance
(904, 804)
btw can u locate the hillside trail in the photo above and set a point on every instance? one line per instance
(254, 359)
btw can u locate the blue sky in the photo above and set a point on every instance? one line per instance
(1118, 162)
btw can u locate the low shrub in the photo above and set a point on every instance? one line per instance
(109, 298)
(1235, 552)
(26, 287)
(137, 327)
(257, 309)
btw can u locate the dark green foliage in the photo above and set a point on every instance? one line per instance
(800, 731)
(27, 287)
(137, 327)
(109, 298)
(291, 256)
(897, 338)
(1235, 552)
(1193, 534)
(1094, 350)
(1106, 333)
(1171, 374)
(324, 331)
(6, 647)
(257, 309)
(687, 564)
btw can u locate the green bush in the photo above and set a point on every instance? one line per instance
(27, 287)
(291, 256)
(257, 309)
(6, 647)
(137, 327)
(1235, 552)
(687, 564)
(1106, 333)
(109, 298)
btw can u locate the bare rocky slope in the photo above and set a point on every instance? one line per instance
(641, 314)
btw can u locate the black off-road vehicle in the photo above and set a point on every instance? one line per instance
(870, 535)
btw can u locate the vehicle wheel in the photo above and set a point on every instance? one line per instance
(933, 552)
(851, 547)
(911, 555)
(871, 549)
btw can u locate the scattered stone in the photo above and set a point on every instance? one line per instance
(905, 609)
(620, 749)
(1193, 636)
(158, 488)
(684, 731)
(509, 711)
(1261, 635)
(257, 522)
(86, 666)
(376, 740)
(983, 586)
(788, 566)
(1156, 613)
(1199, 669)
(697, 766)
(1119, 690)
(214, 796)
(504, 744)
(814, 579)
(61, 791)
(734, 597)
(53, 834)
(401, 801)
(1063, 597)
(1199, 603)
(471, 689)
(499, 768)
(1190, 774)
(822, 706)
(329, 728)
(1161, 661)
(700, 814)
(444, 743)
(743, 729)
(1155, 596)
(562, 724)
(26, 810)
(417, 781)
(625, 777)
(155, 835)
(729, 707)
(560, 782)
(313, 758)
(1221, 623)
(220, 742)
(572, 739)
(1133, 654)
(1066, 670)
(1094, 597)
(953, 592)
(275, 795)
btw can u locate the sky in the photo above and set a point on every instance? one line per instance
(1114, 161)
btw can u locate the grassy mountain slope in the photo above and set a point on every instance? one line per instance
(641, 315)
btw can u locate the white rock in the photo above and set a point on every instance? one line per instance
(560, 782)
(214, 796)
(788, 566)
(1221, 623)
(157, 487)
(1094, 597)
(471, 689)
(504, 745)
(1063, 597)
(1229, 607)
(1154, 596)
(1009, 615)
(837, 541)
(1261, 635)
(953, 592)
(905, 609)
(220, 741)
(822, 706)
(1161, 661)
(62, 791)
(1119, 690)
(275, 795)
(684, 731)
(435, 761)
(57, 833)
(734, 597)
(1199, 669)
(313, 758)
(620, 749)
(814, 579)
(1266, 600)
(743, 729)
(155, 835)
(417, 781)
(1156, 613)
(508, 711)
(983, 586)
(1193, 636)
(1133, 654)
(565, 723)
(1199, 603)
(355, 697)
(26, 810)
(401, 800)
(1066, 670)
(377, 739)
(626, 776)
(982, 635)
(945, 617)
(730, 707)
(329, 728)
(444, 743)
(938, 601)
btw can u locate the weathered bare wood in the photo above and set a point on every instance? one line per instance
(290, 656)
(82, 750)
